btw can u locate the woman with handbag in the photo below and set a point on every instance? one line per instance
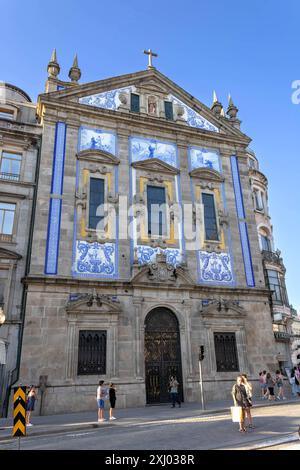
(240, 400)
(248, 388)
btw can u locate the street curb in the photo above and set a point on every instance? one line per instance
(264, 443)
(84, 426)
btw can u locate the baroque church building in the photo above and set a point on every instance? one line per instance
(124, 294)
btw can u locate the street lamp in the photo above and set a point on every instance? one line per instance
(201, 357)
(2, 316)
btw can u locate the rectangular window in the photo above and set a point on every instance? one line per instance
(265, 243)
(210, 221)
(96, 200)
(275, 286)
(92, 352)
(169, 110)
(258, 201)
(6, 114)
(10, 166)
(226, 352)
(134, 103)
(7, 214)
(156, 196)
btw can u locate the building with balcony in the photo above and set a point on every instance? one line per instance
(19, 145)
(283, 314)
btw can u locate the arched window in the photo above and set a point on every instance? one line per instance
(265, 240)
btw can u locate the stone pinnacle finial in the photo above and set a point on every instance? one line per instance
(216, 106)
(75, 72)
(232, 110)
(222, 112)
(53, 68)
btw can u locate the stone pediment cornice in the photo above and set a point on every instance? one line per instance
(98, 155)
(8, 254)
(157, 165)
(207, 174)
(93, 303)
(156, 79)
(222, 308)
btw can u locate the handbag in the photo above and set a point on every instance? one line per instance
(236, 414)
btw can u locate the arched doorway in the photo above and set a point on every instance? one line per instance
(162, 354)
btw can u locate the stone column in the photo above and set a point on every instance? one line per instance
(137, 327)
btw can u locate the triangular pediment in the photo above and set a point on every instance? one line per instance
(207, 174)
(8, 254)
(155, 165)
(106, 94)
(99, 156)
(93, 303)
(222, 308)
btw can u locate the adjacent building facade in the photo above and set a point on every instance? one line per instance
(19, 144)
(145, 245)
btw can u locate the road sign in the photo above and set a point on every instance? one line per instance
(19, 428)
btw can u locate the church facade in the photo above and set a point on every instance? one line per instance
(122, 293)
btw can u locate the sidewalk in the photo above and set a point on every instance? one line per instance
(56, 424)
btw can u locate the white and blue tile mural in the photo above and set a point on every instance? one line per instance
(241, 221)
(204, 158)
(107, 99)
(193, 118)
(97, 139)
(54, 217)
(95, 259)
(147, 254)
(143, 149)
(215, 268)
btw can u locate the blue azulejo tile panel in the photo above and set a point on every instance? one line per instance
(97, 139)
(242, 224)
(215, 268)
(204, 158)
(52, 246)
(142, 149)
(193, 118)
(95, 259)
(58, 158)
(246, 254)
(147, 254)
(107, 99)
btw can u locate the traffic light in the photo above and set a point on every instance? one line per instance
(201, 353)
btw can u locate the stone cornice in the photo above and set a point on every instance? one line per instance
(126, 284)
(256, 174)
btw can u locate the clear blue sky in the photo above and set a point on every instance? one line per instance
(249, 48)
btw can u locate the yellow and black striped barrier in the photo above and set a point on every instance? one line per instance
(19, 428)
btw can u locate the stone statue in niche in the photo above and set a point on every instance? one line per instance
(152, 105)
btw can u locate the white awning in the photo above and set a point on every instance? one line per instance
(2, 352)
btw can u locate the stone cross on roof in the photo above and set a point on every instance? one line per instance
(150, 55)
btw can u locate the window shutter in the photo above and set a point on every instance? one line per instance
(169, 110)
(135, 103)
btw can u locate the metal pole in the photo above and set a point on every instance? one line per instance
(201, 385)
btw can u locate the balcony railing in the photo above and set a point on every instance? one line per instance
(5, 238)
(273, 257)
(282, 336)
(9, 176)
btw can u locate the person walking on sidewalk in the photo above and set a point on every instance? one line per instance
(270, 385)
(240, 398)
(262, 384)
(294, 381)
(112, 400)
(101, 392)
(173, 387)
(279, 383)
(248, 388)
(31, 398)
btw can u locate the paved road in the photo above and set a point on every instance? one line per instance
(181, 432)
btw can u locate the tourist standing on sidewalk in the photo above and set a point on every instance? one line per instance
(112, 400)
(31, 398)
(101, 392)
(294, 381)
(270, 385)
(262, 384)
(266, 391)
(279, 383)
(248, 388)
(173, 387)
(240, 398)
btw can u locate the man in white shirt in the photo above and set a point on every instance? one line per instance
(101, 392)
